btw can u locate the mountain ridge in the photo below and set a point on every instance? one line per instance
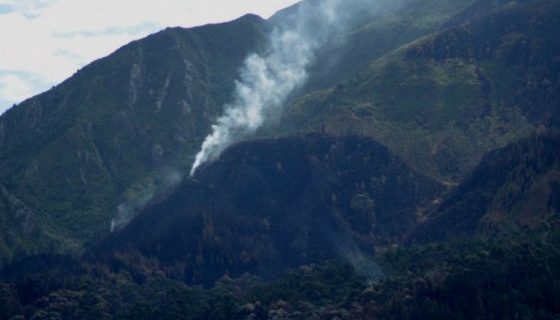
(123, 147)
(416, 175)
(84, 132)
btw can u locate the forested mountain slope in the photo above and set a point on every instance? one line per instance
(269, 205)
(100, 145)
(514, 188)
(488, 78)
(120, 128)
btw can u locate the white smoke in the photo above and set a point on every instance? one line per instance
(267, 79)
(163, 181)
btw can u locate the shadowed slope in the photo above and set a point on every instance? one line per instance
(268, 205)
(512, 188)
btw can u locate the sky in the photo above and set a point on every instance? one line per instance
(43, 42)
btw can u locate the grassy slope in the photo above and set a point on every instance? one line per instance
(442, 101)
(376, 30)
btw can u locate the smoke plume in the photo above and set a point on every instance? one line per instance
(266, 80)
(162, 182)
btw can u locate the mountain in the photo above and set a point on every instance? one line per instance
(424, 78)
(269, 205)
(487, 78)
(376, 28)
(102, 144)
(514, 187)
(119, 129)
(415, 175)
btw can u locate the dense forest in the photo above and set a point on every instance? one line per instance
(510, 278)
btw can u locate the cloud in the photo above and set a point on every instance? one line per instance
(16, 86)
(26, 8)
(118, 30)
(46, 41)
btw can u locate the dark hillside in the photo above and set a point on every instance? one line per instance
(513, 188)
(269, 205)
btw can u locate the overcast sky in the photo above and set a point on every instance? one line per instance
(43, 42)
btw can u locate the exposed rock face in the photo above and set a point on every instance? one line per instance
(118, 126)
(22, 214)
(20, 226)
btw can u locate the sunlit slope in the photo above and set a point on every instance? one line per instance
(377, 27)
(121, 127)
(444, 100)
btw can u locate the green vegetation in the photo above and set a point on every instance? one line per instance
(444, 100)
(416, 77)
(117, 132)
(127, 126)
(273, 204)
(506, 279)
(513, 188)
(415, 176)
